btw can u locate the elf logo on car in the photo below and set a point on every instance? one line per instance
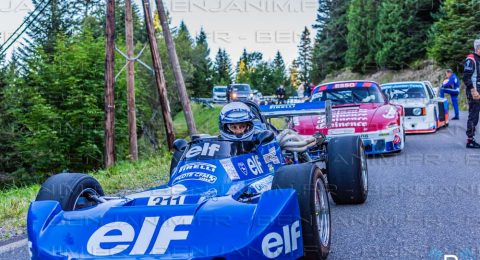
(207, 149)
(101, 244)
(254, 165)
(273, 244)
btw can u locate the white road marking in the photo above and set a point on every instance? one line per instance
(13, 246)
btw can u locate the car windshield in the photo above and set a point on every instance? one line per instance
(349, 95)
(220, 89)
(241, 87)
(404, 91)
(215, 148)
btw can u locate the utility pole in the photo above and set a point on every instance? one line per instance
(159, 76)
(132, 118)
(110, 86)
(177, 71)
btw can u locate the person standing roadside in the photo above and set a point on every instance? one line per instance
(280, 92)
(472, 82)
(451, 86)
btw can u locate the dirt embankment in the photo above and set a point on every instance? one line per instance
(425, 71)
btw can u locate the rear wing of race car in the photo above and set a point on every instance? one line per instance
(299, 109)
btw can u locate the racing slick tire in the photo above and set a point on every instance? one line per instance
(72, 190)
(308, 182)
(347, 170)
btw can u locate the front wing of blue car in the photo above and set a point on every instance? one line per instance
(222, 227)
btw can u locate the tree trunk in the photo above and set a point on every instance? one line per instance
(159, 76)
(132, 118)
(110, 86)
(177, 71)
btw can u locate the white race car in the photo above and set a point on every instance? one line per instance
(425, 112)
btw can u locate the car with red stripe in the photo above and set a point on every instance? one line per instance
(425, 112)
(359, 108)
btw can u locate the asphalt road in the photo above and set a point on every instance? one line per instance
(423, 204)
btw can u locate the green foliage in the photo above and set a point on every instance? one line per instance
(304, 56)
(402, 32)
(330, 43)
(222, 68)
(362, 20)
(51, 103)
(453, 34)
(203, 74)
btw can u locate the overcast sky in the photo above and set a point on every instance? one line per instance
(261, 25)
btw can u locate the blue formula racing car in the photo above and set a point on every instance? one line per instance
(260, 199)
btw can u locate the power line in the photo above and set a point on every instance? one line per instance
(2, 49)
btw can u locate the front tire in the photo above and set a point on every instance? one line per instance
(308, 181)
(347, 170)
(72, 190)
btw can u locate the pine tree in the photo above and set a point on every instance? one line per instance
(203, 74)
(402, 32)
(305, 56)
(57, 18)
(330, 43)
(223, 68)
(453, 34)
(279, 70)
(361, 41)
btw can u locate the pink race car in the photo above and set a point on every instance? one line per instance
(358, 108)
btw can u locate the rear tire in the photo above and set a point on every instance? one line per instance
(71, 190)
(347, 170)
(308, 181)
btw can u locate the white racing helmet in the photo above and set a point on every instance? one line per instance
(234, 113)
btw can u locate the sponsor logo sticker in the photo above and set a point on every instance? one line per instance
(243, 168)
(197, 166)
(230, 169)
(206, 150)
(196, 176)
(254, 165)
(271, 156)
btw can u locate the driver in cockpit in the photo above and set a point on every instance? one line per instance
(236, 122)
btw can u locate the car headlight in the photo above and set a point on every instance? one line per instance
(417, 111)
(234, 95)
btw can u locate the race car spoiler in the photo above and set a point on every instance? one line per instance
(298, 109)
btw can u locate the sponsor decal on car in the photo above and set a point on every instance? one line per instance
(286, 106)
(230, 169)
(271, 156)
(197, 166)
(243, 168)
(286, 241)
(263, 184)
(345, 85)
(196, 176)
(116, 237)
(271, 169)
(345, 118)
(254, 165)
(206, 150)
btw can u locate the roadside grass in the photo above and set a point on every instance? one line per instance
(124, 178)
(206, 120)
(121, 179)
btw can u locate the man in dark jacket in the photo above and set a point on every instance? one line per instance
(471, 78)
(280, 92)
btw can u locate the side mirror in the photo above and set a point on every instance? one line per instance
(436, 91)
(265, 137)
(180, 145)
